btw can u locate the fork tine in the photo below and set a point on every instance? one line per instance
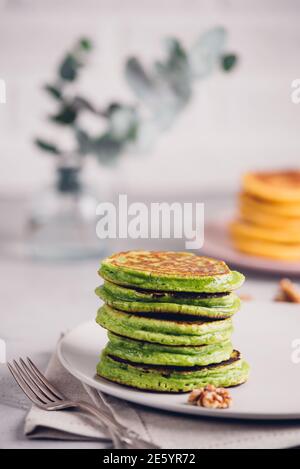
(43, 379)
(25, 388)
(34, 388)
(37, 382)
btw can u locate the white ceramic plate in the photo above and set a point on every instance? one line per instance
(264, 332)
(218, 244)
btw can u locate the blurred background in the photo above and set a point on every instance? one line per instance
(214, 101)
(235, 121)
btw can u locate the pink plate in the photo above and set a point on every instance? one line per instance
(218, 244)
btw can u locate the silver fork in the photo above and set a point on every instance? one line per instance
(45, 396)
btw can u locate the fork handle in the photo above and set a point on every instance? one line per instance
(115, 429)
(101, 415)
(104, 418)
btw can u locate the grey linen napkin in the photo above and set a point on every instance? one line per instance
(166, 430)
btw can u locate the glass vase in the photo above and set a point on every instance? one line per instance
(62, 222)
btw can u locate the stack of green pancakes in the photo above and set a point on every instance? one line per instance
(169, 321)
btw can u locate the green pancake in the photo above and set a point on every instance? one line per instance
(111, 294)
(171, 379)
(156, 354)
(170, 271)
(166, 330)
(150, 296)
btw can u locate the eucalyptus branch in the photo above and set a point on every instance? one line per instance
(165, 90)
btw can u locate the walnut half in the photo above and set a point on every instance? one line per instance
(210, 397)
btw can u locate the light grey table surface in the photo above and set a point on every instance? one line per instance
(41, 300)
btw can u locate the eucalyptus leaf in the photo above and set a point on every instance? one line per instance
(112, 107)
(175, 71)
(176, 55)
(79, 103)
(123, 123)
(106, 148)
(48, 147)
(85, 44)
(205, 53)
(148, 133)
(69, 68)
(141, 83)
(85, 143)
(67, 115)
(54, 91)
(228, 62)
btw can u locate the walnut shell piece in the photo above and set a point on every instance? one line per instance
(288, 292)
(210, 397)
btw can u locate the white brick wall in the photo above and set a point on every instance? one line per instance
(242, 120)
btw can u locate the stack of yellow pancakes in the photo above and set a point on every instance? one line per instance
(268, 222)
